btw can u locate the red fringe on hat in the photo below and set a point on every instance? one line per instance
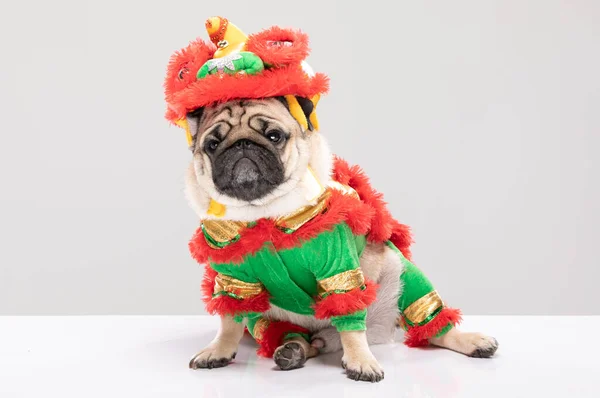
(284, 74)
(262, 44)
(184, 65)
(273, 336)
(220, 88)
(418, 336)
(337, 304)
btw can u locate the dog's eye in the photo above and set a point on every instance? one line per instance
(274, 136)
(211, 145)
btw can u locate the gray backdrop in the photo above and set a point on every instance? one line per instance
(479, 120)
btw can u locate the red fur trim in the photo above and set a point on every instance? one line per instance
(402, 238)
(258, 44)
(341, 208)
(369, 215)
(208, 283)
(337, 304)
(227, 305)
(273, 336)
(382, 226)
(269, 83)
(192, 58)
(251, 241)
(418, 336)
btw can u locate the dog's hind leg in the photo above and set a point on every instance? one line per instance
(427, 320)
(284, 341)
(476, 345)
(293, 353)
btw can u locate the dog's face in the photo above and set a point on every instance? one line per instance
(248, 152)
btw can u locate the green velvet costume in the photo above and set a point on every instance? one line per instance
(319, 277)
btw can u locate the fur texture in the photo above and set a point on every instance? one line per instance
(344, 208)
(302, 150)
(382, 226)
(220, 89)
(296, 52)
(283, 52)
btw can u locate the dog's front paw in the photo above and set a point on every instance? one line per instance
(482, 346)
(216, 355)
(365, 369)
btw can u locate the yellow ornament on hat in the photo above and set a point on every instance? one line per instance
(228, 38)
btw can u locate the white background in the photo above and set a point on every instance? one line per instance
(479, 120)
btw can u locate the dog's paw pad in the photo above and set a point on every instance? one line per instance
(368, 370)
(290, 356)
(485, 347)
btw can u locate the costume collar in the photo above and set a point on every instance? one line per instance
(221, 233)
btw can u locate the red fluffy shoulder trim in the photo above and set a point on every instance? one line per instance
(337, 304)
(369, 215)
(251, 240)
(273, 336)
(418, 336)
(383, 226)
(226, 305)
(340, 208)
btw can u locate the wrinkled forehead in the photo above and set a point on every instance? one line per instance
(255, 113)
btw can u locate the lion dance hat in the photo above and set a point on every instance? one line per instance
(270, 63)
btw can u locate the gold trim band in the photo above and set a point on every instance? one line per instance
(220, 233)
(227, 284)
(344, 281)
(292, 221)
(419, 310)
(345, 189)
(259, 329)
(222, 230)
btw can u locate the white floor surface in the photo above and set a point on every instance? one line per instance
(147, 356)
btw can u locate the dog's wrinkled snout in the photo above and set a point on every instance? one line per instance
(243, 143)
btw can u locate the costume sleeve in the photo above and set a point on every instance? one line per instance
(230, 291)
(423, 313)
(343, 294)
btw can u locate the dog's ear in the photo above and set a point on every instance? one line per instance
(193, 121)
(302, 109)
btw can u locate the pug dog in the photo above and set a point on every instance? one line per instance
(252, 156)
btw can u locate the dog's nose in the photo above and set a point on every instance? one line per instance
(243, 143)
